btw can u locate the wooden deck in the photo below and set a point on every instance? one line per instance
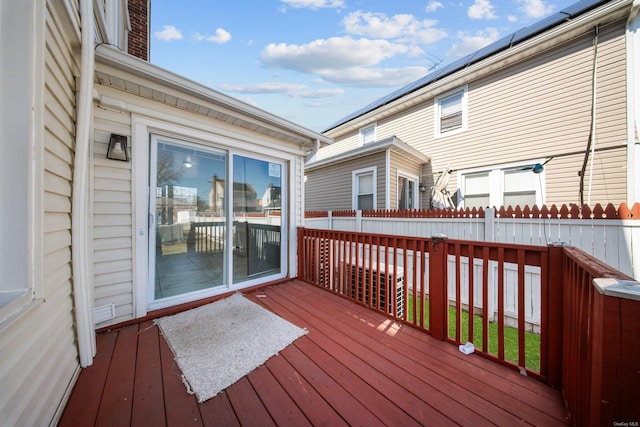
(354, 367)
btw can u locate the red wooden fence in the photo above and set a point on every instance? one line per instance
(563, 212)
(407, 278)
(601, 346)
(589, 342)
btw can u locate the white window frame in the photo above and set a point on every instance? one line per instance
(355, 191)
(364, 130)
(21, 163)
(437, 101)
(411, 178)
(496, 181)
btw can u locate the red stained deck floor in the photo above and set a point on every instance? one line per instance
(354, 367)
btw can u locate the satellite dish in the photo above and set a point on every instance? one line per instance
(538, 167)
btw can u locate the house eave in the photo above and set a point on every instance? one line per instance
(133, 75)
(374, 147)
(573, 27)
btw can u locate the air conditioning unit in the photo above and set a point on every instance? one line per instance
(363, 278)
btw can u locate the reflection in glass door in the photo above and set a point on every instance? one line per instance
(257, 200)
(187, 189)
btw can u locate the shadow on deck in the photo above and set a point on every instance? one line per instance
(354, 367)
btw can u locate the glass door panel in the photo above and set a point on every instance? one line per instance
(257, 186)
(188, 203)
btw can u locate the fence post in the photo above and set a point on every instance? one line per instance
(359, 221)
(554, 323)
(330, 220)
(300, 258)
(490, 225)
(438, 298)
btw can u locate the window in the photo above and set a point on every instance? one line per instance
(367, 135)
(477, 190)
(19, 182)
(407, 194)
(503, 186)
(364, 189)
(451, 112)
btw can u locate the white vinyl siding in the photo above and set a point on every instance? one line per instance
(112, 219)
(38, 350)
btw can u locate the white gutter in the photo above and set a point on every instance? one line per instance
(80, 248)
(633, 104)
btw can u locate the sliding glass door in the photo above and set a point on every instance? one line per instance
(203, 234)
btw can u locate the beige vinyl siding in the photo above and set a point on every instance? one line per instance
(531, 110)
(113, 190)
(112, 219)
(38, 351)
(609, 177)
(330, 188)
(542, 108)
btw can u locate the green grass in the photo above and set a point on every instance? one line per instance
(531, 340)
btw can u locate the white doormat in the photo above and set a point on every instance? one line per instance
(217, 344)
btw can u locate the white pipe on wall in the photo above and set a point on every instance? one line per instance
(82, 289)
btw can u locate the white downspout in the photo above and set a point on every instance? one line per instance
(633, 104)
(82, 291)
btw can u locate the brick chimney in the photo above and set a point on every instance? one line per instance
(138, 43)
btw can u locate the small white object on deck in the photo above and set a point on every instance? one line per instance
(467, 348)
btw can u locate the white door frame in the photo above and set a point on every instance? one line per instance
(216, 138)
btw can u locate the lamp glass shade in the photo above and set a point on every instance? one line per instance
(117, 149)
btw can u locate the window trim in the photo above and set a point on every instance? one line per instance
(496, 181)
(28, 128)
(354, 185)
(465, 111)
(363, 129)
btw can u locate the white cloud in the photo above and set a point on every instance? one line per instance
(402, 27)
(374, 77)
(345, 61)
(330, 54)
(222, 36)
(512, 18)
(292, 90)
(433, 6)
(314, 4)
(481, 9)
(469, 42)
(168, 33)
(535, 8)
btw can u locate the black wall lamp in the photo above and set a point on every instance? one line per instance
(118, 148)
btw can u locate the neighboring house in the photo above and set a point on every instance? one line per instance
(564, 91)
(79, 239)
(384, 174)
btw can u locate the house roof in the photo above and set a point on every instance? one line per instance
(373, 147)
(504, 44)
(133, 75)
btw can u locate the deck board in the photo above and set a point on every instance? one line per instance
(354, 367)
(148, 396)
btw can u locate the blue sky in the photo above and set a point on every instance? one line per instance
(313, 62)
